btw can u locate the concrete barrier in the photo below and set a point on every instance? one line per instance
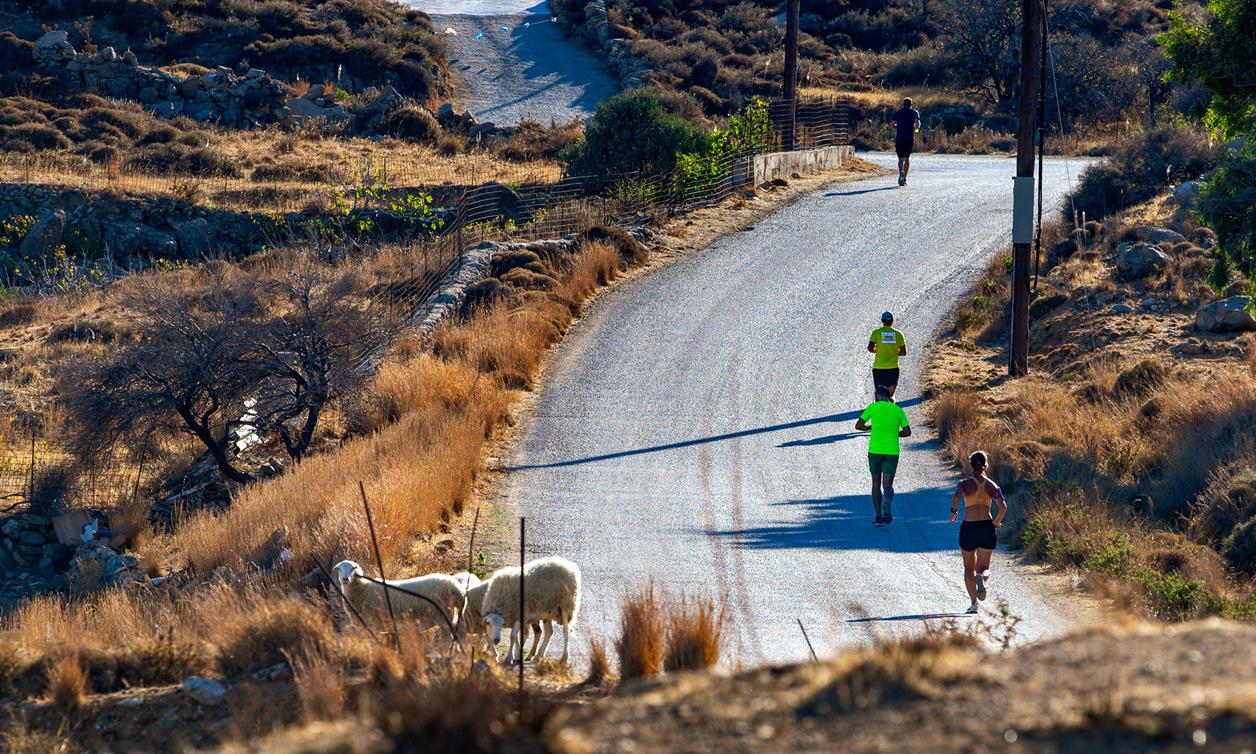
(785, 164)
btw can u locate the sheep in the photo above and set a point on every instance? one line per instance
(442, 589)
(552, 593)
(473, 618)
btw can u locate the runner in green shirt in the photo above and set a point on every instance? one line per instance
(887, 423)
(888, 344)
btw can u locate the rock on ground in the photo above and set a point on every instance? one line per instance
(1229, 315)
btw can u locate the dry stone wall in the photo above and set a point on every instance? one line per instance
(239, 99)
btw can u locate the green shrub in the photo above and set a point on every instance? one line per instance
(1227, 203)
(1239, 548)
(633, 132)
(1139, 170)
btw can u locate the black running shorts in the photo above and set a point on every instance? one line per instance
(974, 534)
(904, 147)
(884, 377)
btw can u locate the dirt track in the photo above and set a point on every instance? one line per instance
(529, 70)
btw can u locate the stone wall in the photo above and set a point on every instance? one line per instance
(595, 29)
(132, 231)
(784, 164)
(244, 99)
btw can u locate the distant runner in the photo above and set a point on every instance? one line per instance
(906, 125)
(978, 534)
(888, 344)
(887, 423)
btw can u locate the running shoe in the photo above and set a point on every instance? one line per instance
(888, 515)
(972, 609)
(902, 181)
(879, 521)
(981, 587)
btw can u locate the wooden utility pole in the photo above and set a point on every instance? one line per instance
(792, 11)
(1023, 189)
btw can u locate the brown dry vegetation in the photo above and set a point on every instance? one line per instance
(1126, 451)
(420, 443)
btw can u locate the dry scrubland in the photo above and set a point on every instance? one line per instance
(1129, 451)
(958, 58)
(416, 440)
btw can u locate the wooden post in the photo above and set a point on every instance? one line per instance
(792, 11)
(523, 614)
(1022, 205)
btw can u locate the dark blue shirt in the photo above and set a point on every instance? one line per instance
(905, 124)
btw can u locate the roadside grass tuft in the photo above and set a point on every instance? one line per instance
(642, 634)
(67, 682)
(695, 629)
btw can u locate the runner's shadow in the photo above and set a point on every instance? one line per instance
(844, 522)
(921, 616)
(862, 191)
(826, 440)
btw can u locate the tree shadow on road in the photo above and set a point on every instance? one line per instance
(845, 416)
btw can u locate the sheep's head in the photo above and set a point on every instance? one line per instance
(346, 572)
(493, 623)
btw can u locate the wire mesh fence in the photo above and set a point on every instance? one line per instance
(467, 216)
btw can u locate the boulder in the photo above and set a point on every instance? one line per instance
(204, 690)
(44, 238)
(1137, 260)
(147, 242)
(195, 237)
(1154, 234)
(1228, 315)
(302, 110)
(1187, 193)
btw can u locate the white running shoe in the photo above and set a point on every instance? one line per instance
(981, 587)
(972, 609)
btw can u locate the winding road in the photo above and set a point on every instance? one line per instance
(697, 424)
(513, 62)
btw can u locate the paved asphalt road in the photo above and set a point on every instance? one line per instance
(697, 424)
(530, 70)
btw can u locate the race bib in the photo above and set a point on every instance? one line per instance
(889, 337)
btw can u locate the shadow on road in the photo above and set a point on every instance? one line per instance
(846, 416)
(826, 440)
(863, 191)
(845, 523)
(921, 616)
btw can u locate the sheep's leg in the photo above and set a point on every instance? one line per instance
(516, 640)
(534, 629)
(566, 638)
(549, 634)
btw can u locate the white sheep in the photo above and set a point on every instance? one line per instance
(552, 588)
(444, 590)
(473, 618)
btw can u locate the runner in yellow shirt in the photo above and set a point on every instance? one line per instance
(887, 422)
(888, 344)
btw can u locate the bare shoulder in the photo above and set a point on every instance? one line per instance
(968, 486)
(992, 488)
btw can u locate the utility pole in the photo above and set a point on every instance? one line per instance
(1023, 188)
(792, 11)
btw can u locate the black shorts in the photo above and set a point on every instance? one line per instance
(975, 534)
(884, 377)
(904, 147)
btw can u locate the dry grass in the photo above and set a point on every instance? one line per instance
(599, 664)
(67, 683)
(642, 634)
(695, 628)
(425, 432)
(287, 171)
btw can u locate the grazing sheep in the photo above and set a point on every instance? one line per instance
(473, 619)
(442, 589)
(552, 593)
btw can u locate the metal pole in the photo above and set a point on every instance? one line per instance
(792, 11)
(1023, 191)
(1042, 142)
